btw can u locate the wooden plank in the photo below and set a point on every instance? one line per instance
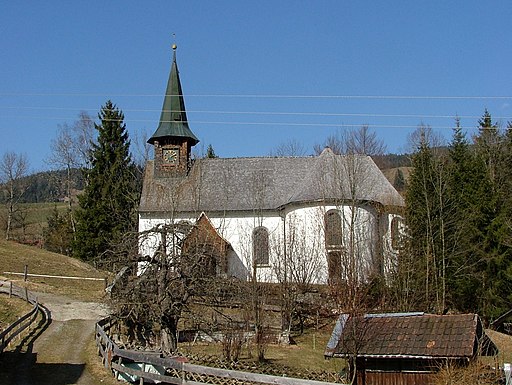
(148, 358)
(247, 376)
(19, 330)
(141, 357)
(101, 350)
(56, 276)
(147, 375)
(18, 322)
(22, 323)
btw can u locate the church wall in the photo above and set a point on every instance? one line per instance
(306, 239)
(303, 256)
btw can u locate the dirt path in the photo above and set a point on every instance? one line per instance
(54, 353)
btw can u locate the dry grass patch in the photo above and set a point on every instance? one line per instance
(11, 309)
(504, 344)
(95, 367)
(476, 373)
(307, 352)
(14, 257)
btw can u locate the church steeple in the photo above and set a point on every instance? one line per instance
(173, 138)
(173, 119)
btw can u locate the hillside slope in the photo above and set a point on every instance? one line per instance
(60, 350)
(14, 257)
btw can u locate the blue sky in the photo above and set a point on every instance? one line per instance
(254, 73)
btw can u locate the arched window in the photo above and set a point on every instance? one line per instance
(396, 233)
(260, 246)
(333, 229)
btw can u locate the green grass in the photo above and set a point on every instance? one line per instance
(36, 219)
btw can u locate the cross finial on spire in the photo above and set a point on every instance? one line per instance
(174, 46)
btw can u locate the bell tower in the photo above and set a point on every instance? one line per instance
(173, 139)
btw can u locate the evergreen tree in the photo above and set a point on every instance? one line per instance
(468, 187)
(108, 203)
(488, 144)
(58, 236)
(493, 152)
(458, 217)
(210, 152)
(399, 182)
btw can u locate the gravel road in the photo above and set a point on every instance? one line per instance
(53, 354)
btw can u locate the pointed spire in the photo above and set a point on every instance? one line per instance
(173, 119)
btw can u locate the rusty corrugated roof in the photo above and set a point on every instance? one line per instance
(436, 336)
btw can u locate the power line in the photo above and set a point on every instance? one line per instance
(276, 113)
(275, 124)
(270, 96)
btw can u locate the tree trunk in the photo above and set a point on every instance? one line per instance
(168, 337)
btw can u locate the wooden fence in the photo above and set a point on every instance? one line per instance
(15, 329)
(147, 366)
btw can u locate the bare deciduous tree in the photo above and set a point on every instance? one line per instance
(291, 147)
(70, 149)
(424, 134)
(142, 149)
(428, 197)
(13, 167)
(151, 303)
(297, 266)
(361, 141)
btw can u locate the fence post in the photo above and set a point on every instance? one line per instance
(25, 273)
(119, 362)
(26, 294)
(143, 368)
(10, 289)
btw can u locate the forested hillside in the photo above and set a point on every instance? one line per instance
(50, 186)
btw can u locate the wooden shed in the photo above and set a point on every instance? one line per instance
(406, 348)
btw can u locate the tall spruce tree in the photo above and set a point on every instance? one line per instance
(108, 203)
(495, 248)
(468, 188)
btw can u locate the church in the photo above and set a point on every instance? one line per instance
(313, 219)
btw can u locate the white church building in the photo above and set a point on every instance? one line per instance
(314, 219)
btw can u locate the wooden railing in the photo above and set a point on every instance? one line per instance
(175, 370)
(17, 327)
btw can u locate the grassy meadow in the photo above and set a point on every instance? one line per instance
(35, 220)
(14, 257)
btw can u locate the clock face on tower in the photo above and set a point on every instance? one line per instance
(171, 156)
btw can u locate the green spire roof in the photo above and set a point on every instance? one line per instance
(173, 120)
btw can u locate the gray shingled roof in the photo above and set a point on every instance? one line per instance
(239, 184)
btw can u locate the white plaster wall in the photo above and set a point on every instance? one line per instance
(303, 227)
(391, 254)
(238, 229)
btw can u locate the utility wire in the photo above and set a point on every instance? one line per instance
(282, 124)
(276, 113)
(441, 97)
